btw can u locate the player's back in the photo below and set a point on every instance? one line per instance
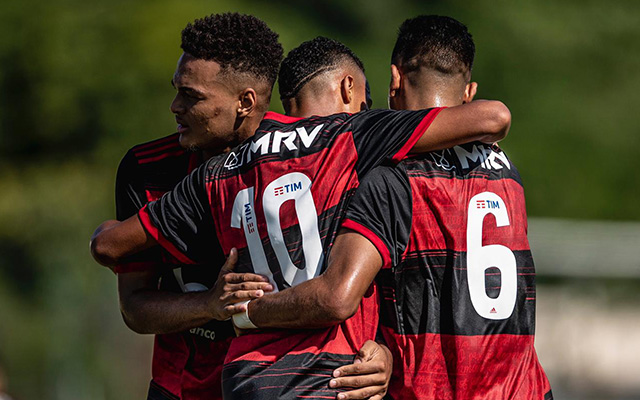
(279, 199)
(458, 308)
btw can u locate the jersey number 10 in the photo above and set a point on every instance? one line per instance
(293, 186)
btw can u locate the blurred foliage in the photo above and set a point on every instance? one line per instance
(82, 81)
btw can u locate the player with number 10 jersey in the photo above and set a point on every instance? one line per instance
(282, 195)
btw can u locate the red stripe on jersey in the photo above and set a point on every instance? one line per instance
(179, 152)
(285, 119)
(157, 149)
(417, 134)
(156, 142)
(373, 238)
(143, 216)
(443, 367)
(440, 208)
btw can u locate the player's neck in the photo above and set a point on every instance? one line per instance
(420, 99)
(311, 107)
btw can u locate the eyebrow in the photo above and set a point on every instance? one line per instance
(186, 89)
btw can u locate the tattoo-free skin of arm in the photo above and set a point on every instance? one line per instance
(487, 121)
(113, 241)
(328, 299)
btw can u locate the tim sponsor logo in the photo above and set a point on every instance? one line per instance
(205, 333)
(251, 227)
(271, 143)
(490, 204)
(288, 188)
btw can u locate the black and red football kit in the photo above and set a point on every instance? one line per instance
(279, 199)
(185, 365)
(458, 280)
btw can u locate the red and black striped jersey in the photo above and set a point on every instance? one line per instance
(279, 198)
(458, 282)
(185, 365)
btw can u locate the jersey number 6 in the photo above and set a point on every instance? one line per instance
(480, 257)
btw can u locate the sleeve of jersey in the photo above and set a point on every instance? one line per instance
(181, 221)
(381, 135)
(130, 197)
(381, 211)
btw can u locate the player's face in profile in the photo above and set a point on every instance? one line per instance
(205, 105)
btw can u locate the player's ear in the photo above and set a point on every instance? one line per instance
(470, 92)
(346, 89)
(246, 102)
(395, 84)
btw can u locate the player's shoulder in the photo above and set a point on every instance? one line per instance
(273, 120)
(473, 160)
(386, 178)
(157, 149)
(160, 160)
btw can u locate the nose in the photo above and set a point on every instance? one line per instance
(177, 107)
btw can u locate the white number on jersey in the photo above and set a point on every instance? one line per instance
(480, 258)
(293, 186)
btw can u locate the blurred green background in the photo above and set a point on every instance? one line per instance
(83, 81)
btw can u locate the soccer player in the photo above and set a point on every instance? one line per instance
(457, 280)
(279, 198)
(226, 73)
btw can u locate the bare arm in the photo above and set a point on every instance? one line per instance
(113, 241)
(328, 299)
(145, 309)
(487, 121)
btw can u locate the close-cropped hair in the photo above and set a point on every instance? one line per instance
(238, 42)
(311, 59)
(436, 42)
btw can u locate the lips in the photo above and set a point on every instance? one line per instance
(182, 128)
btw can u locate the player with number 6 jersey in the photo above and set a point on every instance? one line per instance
(458, 279)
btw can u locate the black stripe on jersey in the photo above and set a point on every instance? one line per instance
(548, 395)
(436, 299)
(292, 377)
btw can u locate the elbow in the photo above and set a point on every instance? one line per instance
(131, 322)
(499, 123)
(101, 251)
(340, 307)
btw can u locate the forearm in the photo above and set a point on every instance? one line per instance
(161, 312)
(487, 121)
(311, 304)
(328, 299)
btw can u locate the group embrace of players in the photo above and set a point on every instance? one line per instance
(371, 253)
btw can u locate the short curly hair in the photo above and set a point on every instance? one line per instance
(310, 59)
(237, 42)
(440, 43)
